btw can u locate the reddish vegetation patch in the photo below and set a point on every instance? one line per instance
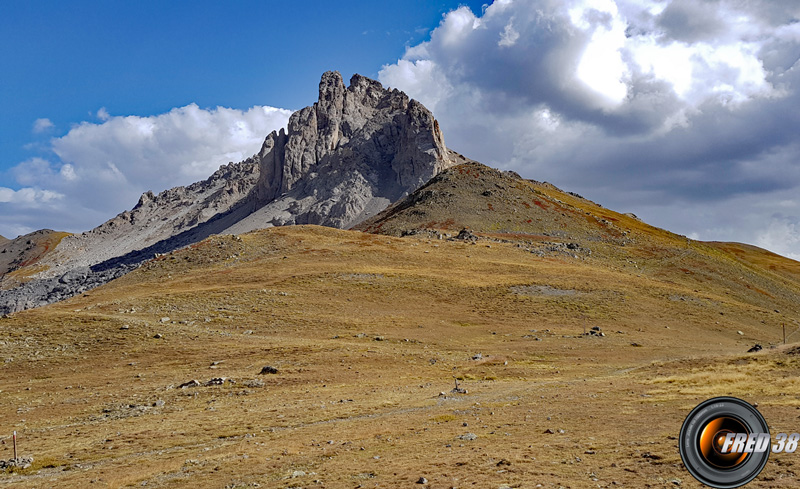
(540, 204)
(42, 247)
(529, 221)
(763, 292)
(527, 205)
(29, 262)
(490, 207)
(610, 218)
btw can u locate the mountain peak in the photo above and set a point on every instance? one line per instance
(364, 126)
(341, 160)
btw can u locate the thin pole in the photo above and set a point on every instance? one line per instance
(784, 332)
(15, 445)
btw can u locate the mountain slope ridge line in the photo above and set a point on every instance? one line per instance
(340, 160)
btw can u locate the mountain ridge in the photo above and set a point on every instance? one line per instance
(340, 160)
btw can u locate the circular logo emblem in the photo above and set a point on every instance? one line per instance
(722, 442)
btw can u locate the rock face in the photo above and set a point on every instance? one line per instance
(346, 157)
(340, 161)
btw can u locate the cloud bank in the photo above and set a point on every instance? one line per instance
(681, 111)
(99, 169)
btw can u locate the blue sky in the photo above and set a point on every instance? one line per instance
(681, 111)
(65, 60)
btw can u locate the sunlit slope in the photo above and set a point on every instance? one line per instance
(490, 201)
(366, 331)
(546, 220)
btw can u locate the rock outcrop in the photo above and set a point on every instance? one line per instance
(340, 161)
(346, 157)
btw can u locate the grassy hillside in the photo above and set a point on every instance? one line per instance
(19, 257)
(367, 330)
(494, 202)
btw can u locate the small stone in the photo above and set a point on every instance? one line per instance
(740, 333)
(467, 437)
(159, 403)
(422, 480)
(158, 336)
(268, 370)
(165, 319)
(191, 383)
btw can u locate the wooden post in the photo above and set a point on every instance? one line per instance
(784, 332)
(15, 445)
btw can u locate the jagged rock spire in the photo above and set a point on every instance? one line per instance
(364, 122)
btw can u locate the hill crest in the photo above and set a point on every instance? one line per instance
(341, 160)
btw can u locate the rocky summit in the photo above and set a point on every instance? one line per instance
(341, 160)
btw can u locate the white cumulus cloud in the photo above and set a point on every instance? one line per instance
(672, 109)
(42, 125)
(782, 236)
(27, 196)
(100, 169)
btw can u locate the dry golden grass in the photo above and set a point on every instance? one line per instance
(366, 331)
